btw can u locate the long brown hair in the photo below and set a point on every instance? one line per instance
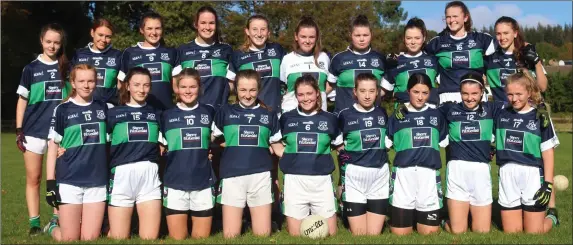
(468, 24)
(187, 73)
(99, 22)
(73, 74)
(414, 23)
(124, 96)
(308, 22)
(309, 80)
(61, 54)
(209, 9)
(518, 41)
(247, 43)
(523, 77)
(253, 75)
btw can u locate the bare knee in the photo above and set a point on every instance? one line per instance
(33, 180)
(89, 237)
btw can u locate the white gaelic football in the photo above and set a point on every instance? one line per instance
(560, 182)
(314, 226)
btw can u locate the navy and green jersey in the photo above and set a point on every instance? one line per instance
(267, 62)
(418, 137)
(520, 138)
(187, 134)
(308, 139)
(41, 85)
(81, 130)
(248, 133)
(470, 131)
(348, 64)
(134, 134)
(459, 55)
(364, 135)
(212, 62)
(498, 67)
(397, 78)
(107, 63)
(160, 62)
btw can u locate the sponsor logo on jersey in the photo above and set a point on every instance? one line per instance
(52, 90)
(306, 142)
(374, 62)
(381, 120)
(217, 53)
(249, 135)
(323, 125)
(75, 115)
(165, 56)
(191, 138)
(456, 113)
(234, 116)
(434, 121)
(110, 61)
(271, 52)
(445, 45)
(177, 119)
(204, 119)
(347, 62)
(97, 60)
(514, 140)
(138, 131)
(353, 122)
(245, 56)
(471, 43)
(264, 68)
(264, 119)
(531, 125)
(38, 73)
(294, 124)
(100, 114)
(470, 130)
(421, 137)
(190, 52)
(460, 59)
(505, 119)
(136, 57)
(120, 115)
(90, 133)
(370, 138)
(428, 62)
(400, 66)
(204, 68)
(83, 59)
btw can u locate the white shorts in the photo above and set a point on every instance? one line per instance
(134, 183)
(36, 145)
(253, 190)
(188, 200)
(417, 188)
(360, 184)
(290, 102)
(518, 184)
(456, 97)
(70, 194)
(308, 194)
(469, 182)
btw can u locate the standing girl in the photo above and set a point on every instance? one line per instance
(210, 57)
(514, 53)
(358, 58)
(414, 60)
(364, 173)
(248, 128)
(415, 185)
(307, 57)
(134, 132)
(41, 88)
(76, 184)
(307, 133)
(107, 61)
(525, 154)
(459, 50)
(154, 56)
(188, 178)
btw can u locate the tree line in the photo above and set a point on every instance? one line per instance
(22, 22)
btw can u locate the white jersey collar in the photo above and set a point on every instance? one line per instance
(412, 109)
(255, 49)
(45, 62)
(355, 105)
(136, 105)
(459, 38)
(78, 103)
(205, 45)
(180, 106)
(91, 44)
(349, 48)
(140, 45)
(413, 56)
(304, 114)
(253, 107)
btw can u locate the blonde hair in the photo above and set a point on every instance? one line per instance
(187, 73)
(73, 74)
(523, 77)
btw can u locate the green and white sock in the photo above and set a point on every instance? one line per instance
(34, 221)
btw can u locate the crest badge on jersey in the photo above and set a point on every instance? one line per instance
(434, 121)
(204, 119)
(483, 113)
(374, 62)
(150, 116)
(380, 120)
(428, 62)
(110, 62)
(323, 125)
(165, 56)
(100, 114)
(217, 53)
(471, 43)
(321, 64)
(264, 119)
(531, 125)
(271, 52)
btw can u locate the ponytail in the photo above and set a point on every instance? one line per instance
(61, 54)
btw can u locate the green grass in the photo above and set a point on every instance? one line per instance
(15, 217)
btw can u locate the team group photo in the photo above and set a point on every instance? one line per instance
(279, 122)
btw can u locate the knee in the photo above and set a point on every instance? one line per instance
(458, 230)
(33, 180)
(428, 231)
(179, 236)
(89, 237)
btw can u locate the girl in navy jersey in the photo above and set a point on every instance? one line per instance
(76, 185)
(248, 128)
(41, 88)
(134, 132)
(188, 178)
(104, 57)
(210, 57)
(514, 53)
(468, 178)
(358, 58)
(364, 172)
(525, 154)
(414, 60)
(459, 50)
(306, 163)
(415, 184)
(307, 57)
(153, 55)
